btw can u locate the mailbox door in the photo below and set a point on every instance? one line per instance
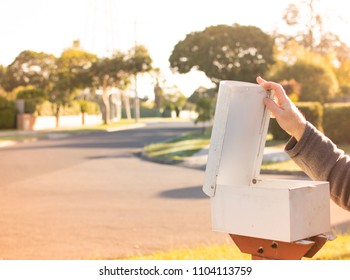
(238, 136)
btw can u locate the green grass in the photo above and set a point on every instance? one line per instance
(186, 145)
(338, 249)
(284, 166)
(290, 165)
(180, 147)
(16, 135)
(120, 123)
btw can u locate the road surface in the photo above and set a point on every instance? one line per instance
(90, 197)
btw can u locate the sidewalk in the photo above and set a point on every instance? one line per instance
(21, 136)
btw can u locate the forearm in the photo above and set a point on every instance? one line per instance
(320, 158)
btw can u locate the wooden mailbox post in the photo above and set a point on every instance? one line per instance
(269, 219)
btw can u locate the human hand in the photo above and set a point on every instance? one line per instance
(282, 108)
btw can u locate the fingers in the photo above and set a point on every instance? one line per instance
(260, 80)
(273, 107)
(279, 92)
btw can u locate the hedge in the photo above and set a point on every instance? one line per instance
(336, 122)
(32, 97)
(88, 107)
(7, 114)
(75, 108)
(313, 112)
(144, 112)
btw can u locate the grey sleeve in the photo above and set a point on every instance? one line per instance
(320, 158)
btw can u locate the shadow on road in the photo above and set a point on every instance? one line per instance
(110, 156)
(184, 193)
(137, 138)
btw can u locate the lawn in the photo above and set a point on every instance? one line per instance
(18, 135)
(186, 145)
(180, 147)
(338, 249)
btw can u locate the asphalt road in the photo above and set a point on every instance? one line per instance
(90, 197)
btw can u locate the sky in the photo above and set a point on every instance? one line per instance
(105, 25)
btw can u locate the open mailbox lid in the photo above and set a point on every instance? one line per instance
(241, 202)
(238, 137)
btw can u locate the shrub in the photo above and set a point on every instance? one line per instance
(7, 114)
(149, 112)
(313, 112)
(88, 107)
(317, 81)
(145, 112)
(33, 97)
(336, 122)
(71, 109)
(45, 109)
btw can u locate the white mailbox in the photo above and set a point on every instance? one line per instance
(243, 203)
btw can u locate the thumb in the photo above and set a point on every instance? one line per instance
(272, 106)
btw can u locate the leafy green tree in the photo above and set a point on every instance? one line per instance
(72, 73)
(305, 24)
(7, 114)
(33, 97)
(138, 61)
(30, 68)
(158, 87)
(342, 73)
(225, 53)
(204, 100)
(2, 74)
(317, 82)
(106, 73)
(158, 95)
(174, 100)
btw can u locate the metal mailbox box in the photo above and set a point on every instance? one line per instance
(242, 202)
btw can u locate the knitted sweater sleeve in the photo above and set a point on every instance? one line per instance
(320, 158)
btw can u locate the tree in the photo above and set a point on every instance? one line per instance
(317, 82)
(2, 74)
(138, 61)
(73, 72)
(224, 53)
(305, 26)
(174, 99)
(107, 73)
(158, 87)
(204, 100)
(7, 114)
(158, 95)
(343, 76)
(30, 68)
(33, 97)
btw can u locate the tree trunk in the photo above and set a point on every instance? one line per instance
(105, 99)
(127, 106)
(119, 106)
(136, 103)
(57, 115)
(83, 118)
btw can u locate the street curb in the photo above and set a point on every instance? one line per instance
(126, 127)
(184, 164)
(4, 144)
(56, 135)
(159, 160)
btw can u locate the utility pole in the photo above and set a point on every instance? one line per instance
(136, 101)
